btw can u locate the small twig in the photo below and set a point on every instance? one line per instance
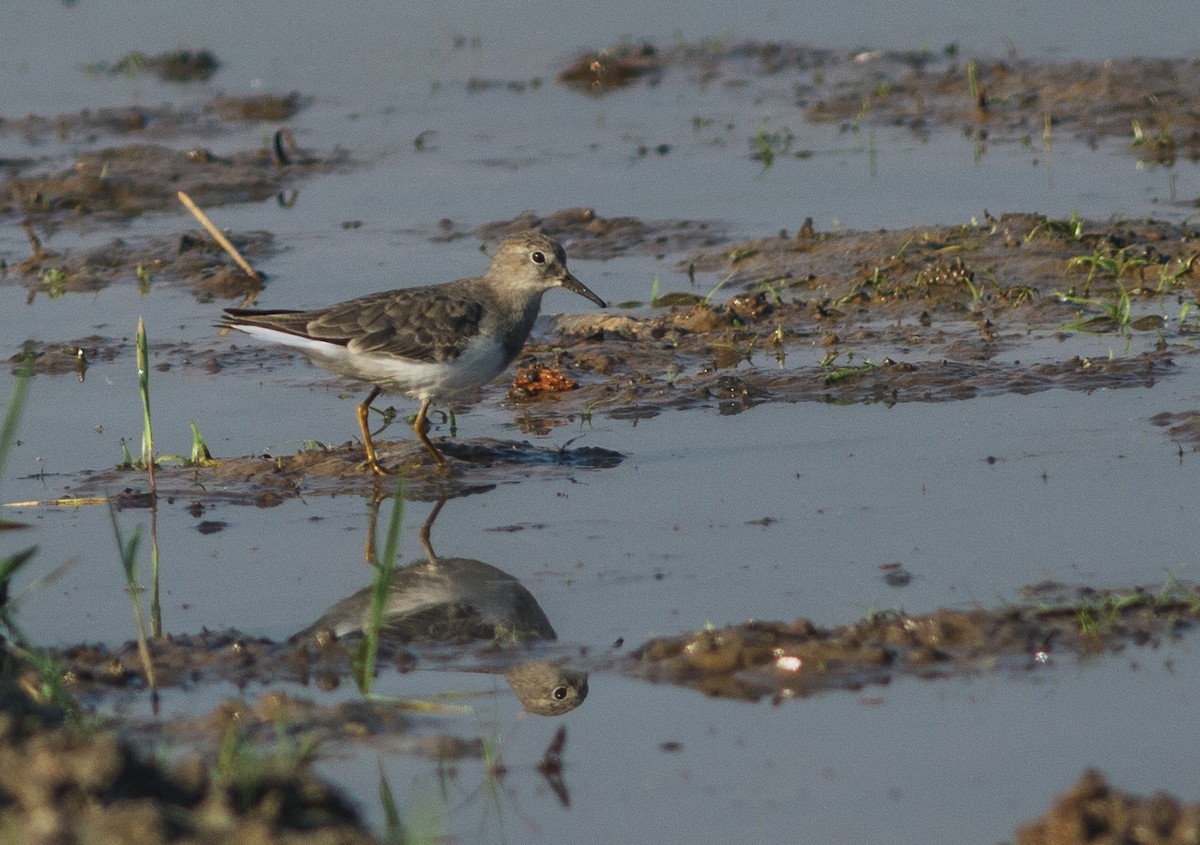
(66, 502)
(211, 228)
(35, 242)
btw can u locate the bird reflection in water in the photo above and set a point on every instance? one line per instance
(459, 600)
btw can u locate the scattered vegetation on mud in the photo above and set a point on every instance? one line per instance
(65, 780)
(1151, 103)
(190, 260)
(66, 783)
(925, 315)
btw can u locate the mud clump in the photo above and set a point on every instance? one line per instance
(66, 784)
(271, 108)
(71, 356)
(62, 783)
(267, 481)
(1183, 427)
(1092, 812)
(594, 237)
(172, 66)
(612, 69)
(788, 660)
(119, 183)
(191, 260)
(167, 122)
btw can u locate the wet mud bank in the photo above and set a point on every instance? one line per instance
(755, 661)
(1092, 810)
(1009, 100)
(64, 782)
(781, 661)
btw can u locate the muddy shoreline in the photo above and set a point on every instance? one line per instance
(928, 314)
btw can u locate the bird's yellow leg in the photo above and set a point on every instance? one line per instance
(363, 410)
(420, 426)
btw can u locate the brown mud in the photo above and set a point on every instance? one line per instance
(995, 100)
(781, 661)
(108, 188)
(116, 184)
(61, 782)
(172, 66)
(1092, 811)
(167, 123)
(191, 260)
(267, 481)
(751, 661)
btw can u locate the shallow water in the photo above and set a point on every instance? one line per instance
(779, 512)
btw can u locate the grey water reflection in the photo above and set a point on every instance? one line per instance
(455, 600)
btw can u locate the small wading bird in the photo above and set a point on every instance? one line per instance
(430, 343)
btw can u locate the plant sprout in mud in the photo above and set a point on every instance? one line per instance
(768, 144)
(200, 454)
(1103, 615)
(1111, 262)
(1160, 144)
(1073, 227)
(834, 374)
(1115, 316)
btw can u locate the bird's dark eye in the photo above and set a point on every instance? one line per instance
(559, 693)
(538, 258)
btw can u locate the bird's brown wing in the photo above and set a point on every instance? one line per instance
(421, 324)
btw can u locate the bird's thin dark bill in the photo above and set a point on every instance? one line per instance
(573, 284)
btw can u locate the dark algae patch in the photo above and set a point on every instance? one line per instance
(172, 66)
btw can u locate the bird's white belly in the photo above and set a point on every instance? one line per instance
(480, 362)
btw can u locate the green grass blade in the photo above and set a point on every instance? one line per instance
(385, 566)
(143, 367)
(9, 567)
(393, 826)
(200, 454)
(14, 408)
